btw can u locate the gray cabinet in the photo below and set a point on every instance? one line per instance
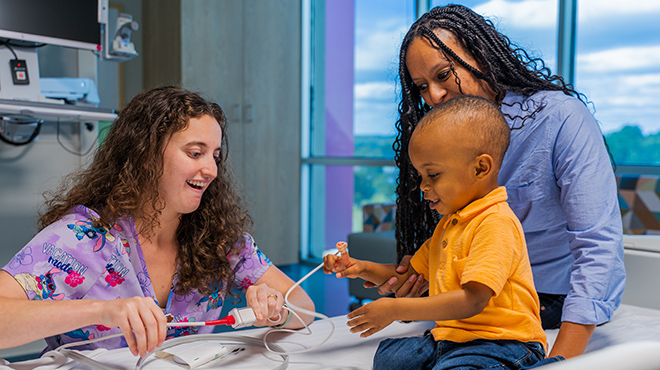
(246, 55)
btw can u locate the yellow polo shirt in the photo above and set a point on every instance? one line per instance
(483, 242)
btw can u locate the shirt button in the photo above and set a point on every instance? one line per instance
(454, 221)
(444, 243)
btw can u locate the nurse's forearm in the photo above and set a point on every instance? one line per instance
(300, 299)
(572, 339)
(24, 321)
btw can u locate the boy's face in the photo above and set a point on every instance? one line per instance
(447, 168)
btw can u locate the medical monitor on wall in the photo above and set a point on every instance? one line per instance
(69, 23)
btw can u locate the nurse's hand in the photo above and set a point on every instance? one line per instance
(140, 320)
(267, 304)
(413, 287)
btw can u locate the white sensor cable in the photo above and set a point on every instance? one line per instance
(237, 318)
(291, 307)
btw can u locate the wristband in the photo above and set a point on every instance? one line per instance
(286, 322)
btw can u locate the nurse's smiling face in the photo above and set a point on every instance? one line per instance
(190, 163)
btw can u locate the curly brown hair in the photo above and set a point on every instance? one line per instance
(123, 178)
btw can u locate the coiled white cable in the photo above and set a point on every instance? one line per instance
(291, 307)
(231, 338)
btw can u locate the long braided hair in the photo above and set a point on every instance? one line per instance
(503, 66)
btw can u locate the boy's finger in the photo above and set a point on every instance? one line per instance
(369, 332)
(329, 262)
(360, 328)
(355, 313)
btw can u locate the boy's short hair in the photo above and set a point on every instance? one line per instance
(485, 125)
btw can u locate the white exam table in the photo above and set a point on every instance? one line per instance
(343, 350)
(630, 341)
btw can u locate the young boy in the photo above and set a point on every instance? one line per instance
(481, 290)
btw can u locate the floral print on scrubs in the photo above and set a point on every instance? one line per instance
(72, 259)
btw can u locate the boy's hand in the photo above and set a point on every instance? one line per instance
(372, 317)
(333, 263)
(330, 262)
(341, 264)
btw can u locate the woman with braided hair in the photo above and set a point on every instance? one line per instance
(557, 170)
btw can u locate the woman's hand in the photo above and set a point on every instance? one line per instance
(140, 320)
(414, 286)
(278, 282)
(572, 339)
(267, 303)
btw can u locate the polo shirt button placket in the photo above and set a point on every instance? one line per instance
(454, 221)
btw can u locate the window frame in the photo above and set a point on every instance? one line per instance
(313, 104)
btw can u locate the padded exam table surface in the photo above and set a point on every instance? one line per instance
(630, 341)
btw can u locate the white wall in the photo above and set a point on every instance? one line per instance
(25, 173)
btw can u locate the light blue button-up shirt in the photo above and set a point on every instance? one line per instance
(561, 185)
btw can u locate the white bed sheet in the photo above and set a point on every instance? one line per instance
(629, 324)
(343, 350)
(630, 341)
(631, 338)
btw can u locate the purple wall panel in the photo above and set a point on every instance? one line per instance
(339, 140)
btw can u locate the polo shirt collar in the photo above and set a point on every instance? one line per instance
(498, 195)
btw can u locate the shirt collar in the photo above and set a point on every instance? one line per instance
(476, 207)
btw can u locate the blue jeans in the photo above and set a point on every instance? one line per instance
(425, 353)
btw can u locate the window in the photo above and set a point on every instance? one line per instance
(529, 24)
(354, 48)
(353, 69)
(618, 69)
(353, 78)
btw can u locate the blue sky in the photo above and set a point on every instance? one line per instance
(617, 67)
